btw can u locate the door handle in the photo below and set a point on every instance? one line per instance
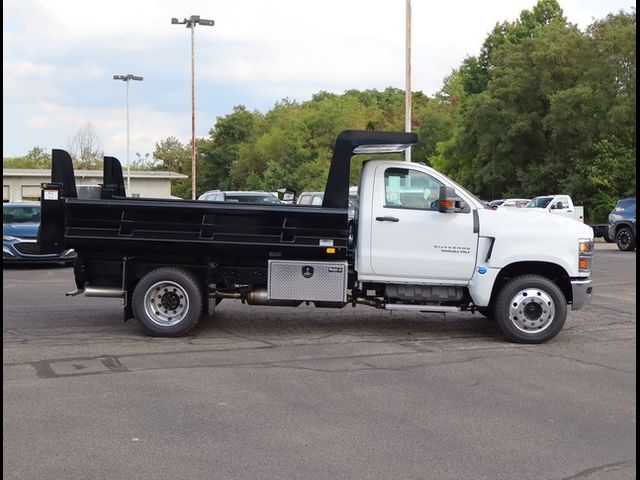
(387, 219)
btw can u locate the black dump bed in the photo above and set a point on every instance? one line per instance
(205, 229)
(198, 232)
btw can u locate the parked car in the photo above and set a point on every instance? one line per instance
(514, 203)
(622, 224)
(495, 203)
(315, 198)
(310, 198)
(258, 197)
(20, 222)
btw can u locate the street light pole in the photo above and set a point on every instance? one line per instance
(126, 78)
(191, 23)
(407, 92)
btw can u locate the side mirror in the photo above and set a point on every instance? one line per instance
(288, 195)
(448, 202)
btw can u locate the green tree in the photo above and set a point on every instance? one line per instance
(220, 150)
(35, 158)
(173, 156)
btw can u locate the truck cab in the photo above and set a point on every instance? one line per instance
(416, 250)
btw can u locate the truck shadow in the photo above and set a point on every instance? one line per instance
(276, 324)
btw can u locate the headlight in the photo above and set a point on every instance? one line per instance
(9, 238)
(585, 255)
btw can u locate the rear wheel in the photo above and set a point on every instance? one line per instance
(625, 239)
(531, 309)
(168, 302)
(607, 237)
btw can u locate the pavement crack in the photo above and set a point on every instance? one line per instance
(610, 467)
(583, 362)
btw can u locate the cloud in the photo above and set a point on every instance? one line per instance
(59, 58)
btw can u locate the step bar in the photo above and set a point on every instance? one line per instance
(421, 308)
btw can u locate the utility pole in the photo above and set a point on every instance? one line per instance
(191, 23)
(407, 91)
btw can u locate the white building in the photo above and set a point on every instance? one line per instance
(23, 184)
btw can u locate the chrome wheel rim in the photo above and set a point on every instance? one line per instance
(166, 303)
(531, 310)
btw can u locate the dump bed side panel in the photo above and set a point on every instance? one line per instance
(214, 230)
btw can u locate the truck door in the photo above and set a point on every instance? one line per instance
(410, 239)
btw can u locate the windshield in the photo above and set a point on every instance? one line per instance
(539, 202)
(21, 214)
(270, 199)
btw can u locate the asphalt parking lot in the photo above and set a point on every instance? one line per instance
(304, 393)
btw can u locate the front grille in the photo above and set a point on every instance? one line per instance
(28, 248)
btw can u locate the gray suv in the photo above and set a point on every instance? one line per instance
(622, 224)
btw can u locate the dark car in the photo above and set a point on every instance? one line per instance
(257, 197)
(20, 222)
(622, 224)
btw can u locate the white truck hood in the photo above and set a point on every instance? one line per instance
(547, 238)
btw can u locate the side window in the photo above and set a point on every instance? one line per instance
(565, 202)
(317, 200)
(407, 188)
(305, 200)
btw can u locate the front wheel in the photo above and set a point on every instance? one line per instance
(625, 239)
(531, 309)
(167, 302)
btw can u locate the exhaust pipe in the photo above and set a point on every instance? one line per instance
(261, 297)
(103, 292)
(256, 297)
(371, 302)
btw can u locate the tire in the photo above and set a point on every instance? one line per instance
(625, 239)
(530, 309)
(607, 237)
(167, 302)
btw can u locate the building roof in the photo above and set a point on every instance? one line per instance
(44, 172)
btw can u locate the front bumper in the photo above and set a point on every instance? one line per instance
(582, 290)
(11, 253)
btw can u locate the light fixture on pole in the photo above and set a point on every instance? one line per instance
(126, 78)
(191, 23)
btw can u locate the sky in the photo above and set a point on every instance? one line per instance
(59, 59)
